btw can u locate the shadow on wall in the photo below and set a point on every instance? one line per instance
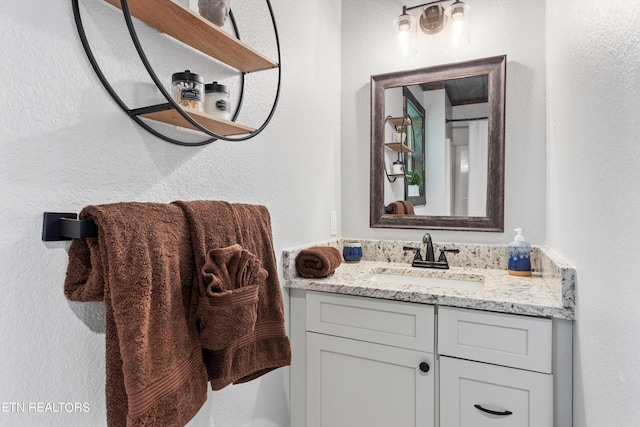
(272, 402)
(259, 403)
(92, 314)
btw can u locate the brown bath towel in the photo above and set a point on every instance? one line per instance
(400, 207)
(141, 266)
(217, 225)
(318, 261)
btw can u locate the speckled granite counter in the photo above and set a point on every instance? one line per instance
(549, 292)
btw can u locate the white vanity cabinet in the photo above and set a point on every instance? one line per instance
(360, 361)
(495, 369)
(369, 362)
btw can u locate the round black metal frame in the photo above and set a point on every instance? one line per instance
(171, 104)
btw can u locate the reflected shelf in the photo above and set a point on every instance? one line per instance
(399, 121)
(399, 147)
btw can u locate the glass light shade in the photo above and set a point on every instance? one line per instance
(406, 39)
(458, 19)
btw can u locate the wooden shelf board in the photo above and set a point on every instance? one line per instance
(190, 28)
(214, 124)
(396, 146)
(399, 121)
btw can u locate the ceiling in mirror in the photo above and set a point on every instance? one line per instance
(468, 90)
(448, 170)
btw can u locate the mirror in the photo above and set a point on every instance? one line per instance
(437, 147)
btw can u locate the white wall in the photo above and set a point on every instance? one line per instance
(514, 28)
(65, 144)
(593, 57)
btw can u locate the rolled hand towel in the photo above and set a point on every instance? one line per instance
(228, 312)
(397, 208)
(318, 261)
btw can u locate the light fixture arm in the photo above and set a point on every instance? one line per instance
(405, 8)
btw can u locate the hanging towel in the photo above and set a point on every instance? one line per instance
(408, 208)
(217, 225)
(318, 261)
(141, 265)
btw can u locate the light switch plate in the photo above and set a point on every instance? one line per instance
(333, 223)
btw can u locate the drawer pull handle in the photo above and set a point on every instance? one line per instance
(489, 411)
(424, 367)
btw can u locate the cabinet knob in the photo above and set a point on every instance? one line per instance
(424, 367)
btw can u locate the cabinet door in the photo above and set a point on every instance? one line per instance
(355, 383)
(471, 391)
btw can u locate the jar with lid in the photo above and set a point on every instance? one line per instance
(397, 168)
(187, 90)
(216, 100)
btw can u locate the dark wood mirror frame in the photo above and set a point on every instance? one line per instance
(495, 69)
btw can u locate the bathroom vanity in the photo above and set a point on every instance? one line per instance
(380, 343)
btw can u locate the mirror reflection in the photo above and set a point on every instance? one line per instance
(438, 147)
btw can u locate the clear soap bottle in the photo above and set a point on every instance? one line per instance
(519, 256)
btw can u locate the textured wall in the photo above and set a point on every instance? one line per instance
(498, 27)
(65, 144)
(594, 204)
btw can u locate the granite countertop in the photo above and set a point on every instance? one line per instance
(549, 292)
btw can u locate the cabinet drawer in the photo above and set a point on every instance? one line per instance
(394, 323)
(468, 390)
(503, 339)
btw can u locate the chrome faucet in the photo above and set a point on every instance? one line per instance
(430, 259)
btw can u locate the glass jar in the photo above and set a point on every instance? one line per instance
(216, 100)
(187, 90)
(397, 168)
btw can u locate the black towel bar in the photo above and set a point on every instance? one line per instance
(58, 226)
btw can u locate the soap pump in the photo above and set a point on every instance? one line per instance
(519, 256)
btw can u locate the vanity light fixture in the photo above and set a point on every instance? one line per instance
(406, 25)
(433, 19)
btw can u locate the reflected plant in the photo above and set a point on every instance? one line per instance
(414, 178)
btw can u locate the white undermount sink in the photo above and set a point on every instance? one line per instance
(440, 282)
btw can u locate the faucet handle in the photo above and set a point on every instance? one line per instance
(443, 256)
(417, 256)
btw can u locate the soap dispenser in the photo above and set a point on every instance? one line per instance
(519, 256)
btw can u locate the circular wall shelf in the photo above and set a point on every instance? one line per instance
(180, 23)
